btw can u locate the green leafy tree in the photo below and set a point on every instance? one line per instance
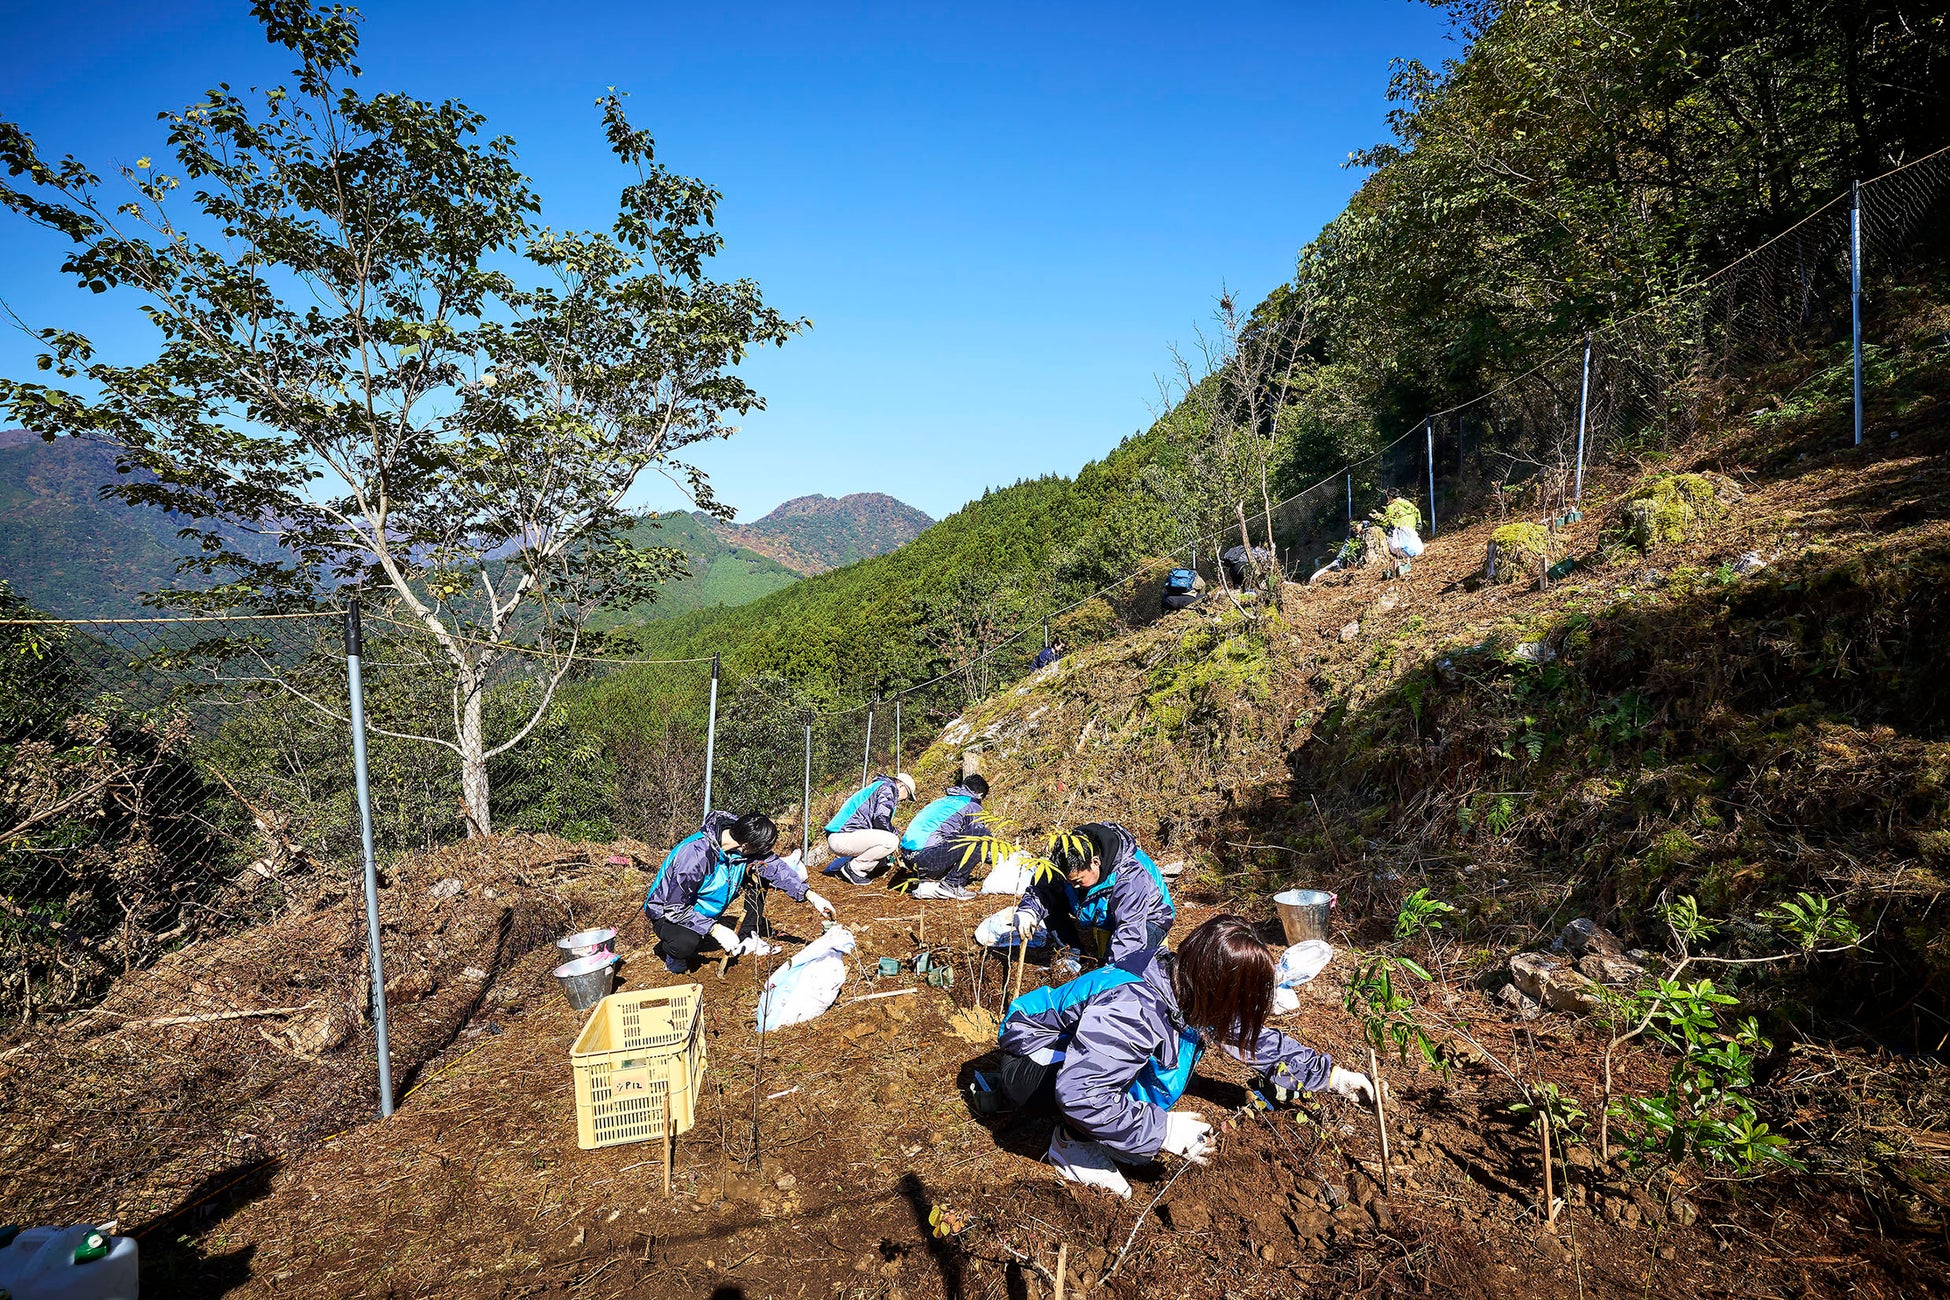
(371, 352)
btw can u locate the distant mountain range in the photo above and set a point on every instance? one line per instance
(71, 554)
(814, 534)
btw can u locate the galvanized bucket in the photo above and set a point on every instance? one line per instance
(587, 980)
(1303, 913)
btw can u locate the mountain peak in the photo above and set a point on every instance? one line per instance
(814, 533)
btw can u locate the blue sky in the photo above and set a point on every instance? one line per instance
(999, 218)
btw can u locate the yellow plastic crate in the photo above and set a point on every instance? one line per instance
(638, 1064)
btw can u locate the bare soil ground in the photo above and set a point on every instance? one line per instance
(244, 1154)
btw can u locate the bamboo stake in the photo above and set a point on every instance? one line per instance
(1022, 955)
(1550, 1201)
(670, 1142)
(1062, 1267)
(1381, 1118)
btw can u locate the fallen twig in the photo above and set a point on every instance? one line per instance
(211, 1016)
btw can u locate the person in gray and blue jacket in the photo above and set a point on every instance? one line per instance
(861, 834)
(940, 845)
(1112, 1051)
(703, 873)
(1109, 900)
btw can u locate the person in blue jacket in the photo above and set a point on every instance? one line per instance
(700, 877)
(861, 834)
(1110, 900)
(941, 844)
(1112, 1051)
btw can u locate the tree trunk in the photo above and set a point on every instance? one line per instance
(473, 758)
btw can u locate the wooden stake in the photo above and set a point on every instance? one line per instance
(670, 1143)
(1022, 955)
(1550, 1201)
(1381, 1118)
(1062, 1268)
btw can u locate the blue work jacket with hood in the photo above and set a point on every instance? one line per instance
(699, 879)
(1123, 1052)
(1127, 912)
(870, 808)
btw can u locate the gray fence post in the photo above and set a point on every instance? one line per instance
(1350, 496)
(866, 753)
(711, 736)
(1428, 428)
(1584, 396)
(805, 804)
(1855, 291)
(355, 690)
(897, 717)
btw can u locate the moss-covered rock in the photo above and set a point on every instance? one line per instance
(1671, 508)
(1516, 552)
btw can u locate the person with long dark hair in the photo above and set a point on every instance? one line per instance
(1111, 1051)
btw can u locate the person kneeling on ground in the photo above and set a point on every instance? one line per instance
(943, 843)
(701, 876)
(1111, 1052)
(1241, 564)
(1183, 589)
(862, 832)
(1111, 901)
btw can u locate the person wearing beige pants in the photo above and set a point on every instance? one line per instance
(862, 833)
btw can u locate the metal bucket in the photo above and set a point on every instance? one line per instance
(1303, 913)
(587, 980)
(587, 943)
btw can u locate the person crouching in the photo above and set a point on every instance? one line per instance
(700, 877)
(1111, 1051)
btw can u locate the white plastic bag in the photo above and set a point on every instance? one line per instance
(1404, 540)
(805, 986)
(1284, 1001)
(999, 931)
(1009, 876)
(1302, 962)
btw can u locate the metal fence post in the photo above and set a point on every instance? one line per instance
(866, 753)
(805, 804)
(711, 736)
(1428, 429)
(1584, 396)
(1855, 291)
(1350, 496)
(356, 692)
(897, 717)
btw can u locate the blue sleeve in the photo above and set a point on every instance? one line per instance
(880, 808)
(1279, 1055)
(783, 878)
(1111, 1045)
(1136, 901)
(677, 891)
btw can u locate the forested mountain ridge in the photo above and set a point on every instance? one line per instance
(812, 534)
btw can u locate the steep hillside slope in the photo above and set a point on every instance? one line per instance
(71, 554)
(722, 572)
(813, 534)
(1750, 709)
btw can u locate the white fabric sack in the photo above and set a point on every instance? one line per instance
(1082, 1161)
(1302, 962)
(999, 931)
(1009, 876)
(1284, 1001)
(1404, 541)
(806, 986)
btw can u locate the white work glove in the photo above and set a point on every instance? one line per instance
(819, 905)
(1025, 923)
(754, 946)
(1351, 1084)
(1188, 1135)
(727, 939)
